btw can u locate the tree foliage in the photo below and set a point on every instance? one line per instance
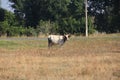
(107, 15)
(60, 16)
(66, 13)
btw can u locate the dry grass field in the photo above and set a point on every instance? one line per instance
(92, 58)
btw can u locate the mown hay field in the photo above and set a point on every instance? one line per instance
(80, 58)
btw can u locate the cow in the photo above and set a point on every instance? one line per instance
(57, 39)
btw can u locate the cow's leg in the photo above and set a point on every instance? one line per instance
(49, 42)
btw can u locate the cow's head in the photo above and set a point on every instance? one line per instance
(67, 36)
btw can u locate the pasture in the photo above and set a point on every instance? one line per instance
(80, 58)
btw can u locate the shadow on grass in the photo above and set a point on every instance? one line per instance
(116, 73)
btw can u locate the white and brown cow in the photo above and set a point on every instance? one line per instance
(57, 39)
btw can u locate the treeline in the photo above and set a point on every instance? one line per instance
(34, 17)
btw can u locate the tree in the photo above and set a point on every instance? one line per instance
(107, 14)
(18, 6)
(7, 22)
(2, 14)
(58, 11)
(35, 11)
(72, 23)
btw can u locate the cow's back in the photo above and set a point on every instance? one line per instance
(55, 38)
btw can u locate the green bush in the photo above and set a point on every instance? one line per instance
(3, 27)
(15, 31)
(30, 32)
(6, 29)
(71, 25)
(91, 27)
(46, 27)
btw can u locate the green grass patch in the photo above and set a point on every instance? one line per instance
(8, 44)
(17, 44)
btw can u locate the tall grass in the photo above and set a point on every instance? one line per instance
(93, 58)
